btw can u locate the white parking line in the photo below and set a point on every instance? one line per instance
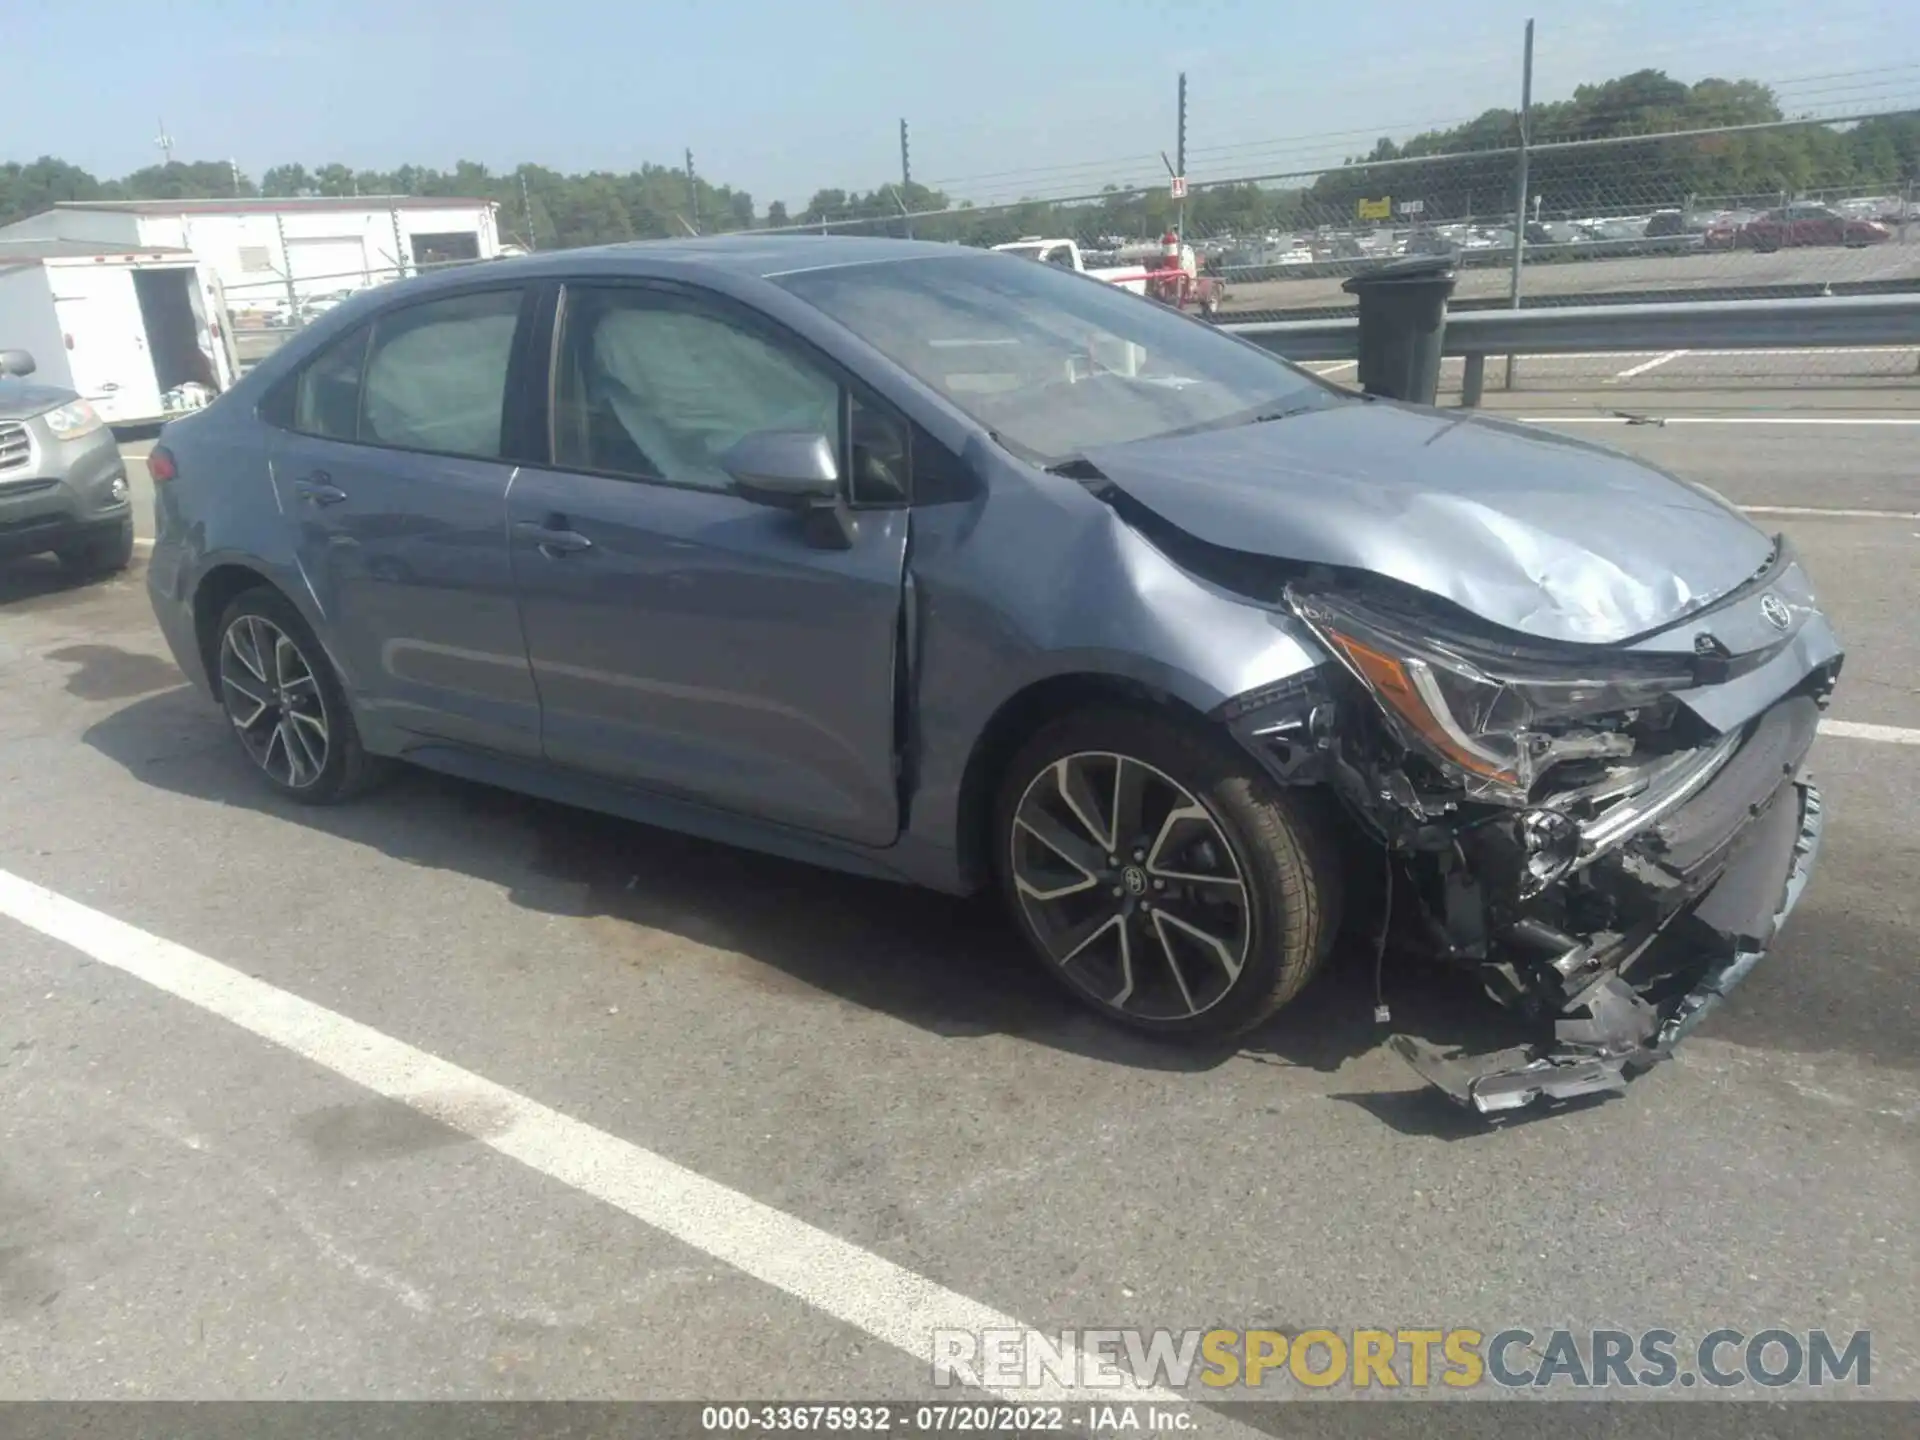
(1716, 419)
(1716, 354)
(835, 1276)
(1856, 730)
(1820, 350)
(1653, 364)
(1323, 367)
(1832, 514)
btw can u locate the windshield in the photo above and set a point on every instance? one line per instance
(1054, 364)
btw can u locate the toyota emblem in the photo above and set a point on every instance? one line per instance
(1776, 612)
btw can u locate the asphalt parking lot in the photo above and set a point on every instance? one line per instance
(684, 1122)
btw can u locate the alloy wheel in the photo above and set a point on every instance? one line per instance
(268, 688)
(1130, 886)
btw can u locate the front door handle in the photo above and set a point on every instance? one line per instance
(319, 489)
(554, 540)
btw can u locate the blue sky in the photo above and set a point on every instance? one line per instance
(1005, 97)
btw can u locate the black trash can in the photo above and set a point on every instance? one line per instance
(1403, 317)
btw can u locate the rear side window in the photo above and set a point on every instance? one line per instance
(436, 375)
(326, 399)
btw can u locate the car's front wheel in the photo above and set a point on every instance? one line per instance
(285, 703)
(1160, 876)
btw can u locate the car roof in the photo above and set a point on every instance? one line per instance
(726, 262)
(758, 256)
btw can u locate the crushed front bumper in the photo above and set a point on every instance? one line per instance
(1612, 1031)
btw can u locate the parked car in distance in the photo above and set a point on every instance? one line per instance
(315, 306)
(946, 566)
(1796, 225)
(1614, 237)
(1887, 209)
(1281, 260)
(1722, 230)
(63, 485)
(1434, 242)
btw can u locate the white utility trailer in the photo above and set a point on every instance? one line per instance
(139, 333)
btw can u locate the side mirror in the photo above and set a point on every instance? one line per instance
(794, 470)
(791, 469)
(16, 362)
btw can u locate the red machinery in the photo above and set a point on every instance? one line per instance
(1176, 279)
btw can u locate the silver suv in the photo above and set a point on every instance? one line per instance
(63, 485)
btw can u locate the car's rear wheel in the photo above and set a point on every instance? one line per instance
(285, 703)
(1160, 877)
(103, 555)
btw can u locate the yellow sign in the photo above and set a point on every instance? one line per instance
(1381, 209)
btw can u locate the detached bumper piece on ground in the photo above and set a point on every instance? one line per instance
(1611, 1031)
(1709, 885)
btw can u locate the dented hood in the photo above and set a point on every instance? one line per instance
(1528, 530)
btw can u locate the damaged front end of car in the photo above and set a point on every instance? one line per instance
(1607, 836)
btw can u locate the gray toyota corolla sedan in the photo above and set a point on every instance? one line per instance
(954, 568)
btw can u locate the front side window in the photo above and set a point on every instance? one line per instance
(436, 375)
(1053, 365)
(660, 387)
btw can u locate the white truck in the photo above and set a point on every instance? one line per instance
(135, 332)
(1066, 254)
(1173, 283)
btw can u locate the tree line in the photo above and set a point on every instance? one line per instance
(540, 208)
(1470, 170)
(1464, 171)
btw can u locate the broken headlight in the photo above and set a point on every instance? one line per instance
(1493, 715)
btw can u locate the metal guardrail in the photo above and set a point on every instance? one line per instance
(1573, 329)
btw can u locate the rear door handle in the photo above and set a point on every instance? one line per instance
(554, 540)
(319, 488)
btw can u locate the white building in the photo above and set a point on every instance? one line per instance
(274, 255)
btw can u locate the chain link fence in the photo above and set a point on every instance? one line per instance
(263, 313)
(1639, 189)
(1800, 207)
(1769, 209)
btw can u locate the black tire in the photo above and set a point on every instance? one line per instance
(105, 555)
(345, 769)
(1282, 847)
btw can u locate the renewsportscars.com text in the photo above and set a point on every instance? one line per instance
(1598, 1359)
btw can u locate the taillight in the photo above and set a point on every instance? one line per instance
(160, 463)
